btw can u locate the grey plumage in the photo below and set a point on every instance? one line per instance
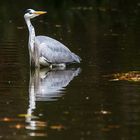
(54, 51)
(44, 50)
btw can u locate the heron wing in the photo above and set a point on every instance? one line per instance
(54, 51)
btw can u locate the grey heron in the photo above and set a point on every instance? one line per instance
(44, 50)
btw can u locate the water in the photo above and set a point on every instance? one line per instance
(78, 103)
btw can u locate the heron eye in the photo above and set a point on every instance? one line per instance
(30, 12)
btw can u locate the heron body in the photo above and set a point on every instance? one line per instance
(44, 50)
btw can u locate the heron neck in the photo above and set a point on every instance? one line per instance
(31, 34)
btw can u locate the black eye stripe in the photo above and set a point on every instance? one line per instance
(28, 11)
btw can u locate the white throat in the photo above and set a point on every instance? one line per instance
(31, 35)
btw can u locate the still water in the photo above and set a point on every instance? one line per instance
(77, 103)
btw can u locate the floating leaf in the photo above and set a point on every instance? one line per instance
(25, 115)
(133, 76)
(57, 127)
(5, 119)
(18, 126)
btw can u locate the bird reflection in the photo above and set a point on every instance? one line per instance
(46, 85)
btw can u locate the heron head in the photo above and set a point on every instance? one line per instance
(30, 13)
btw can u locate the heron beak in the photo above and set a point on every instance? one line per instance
(40, 12)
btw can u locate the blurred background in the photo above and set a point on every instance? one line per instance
(78, 103)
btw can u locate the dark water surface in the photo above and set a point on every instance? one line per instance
(77, 103)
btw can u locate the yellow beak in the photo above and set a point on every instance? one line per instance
(40, 12)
